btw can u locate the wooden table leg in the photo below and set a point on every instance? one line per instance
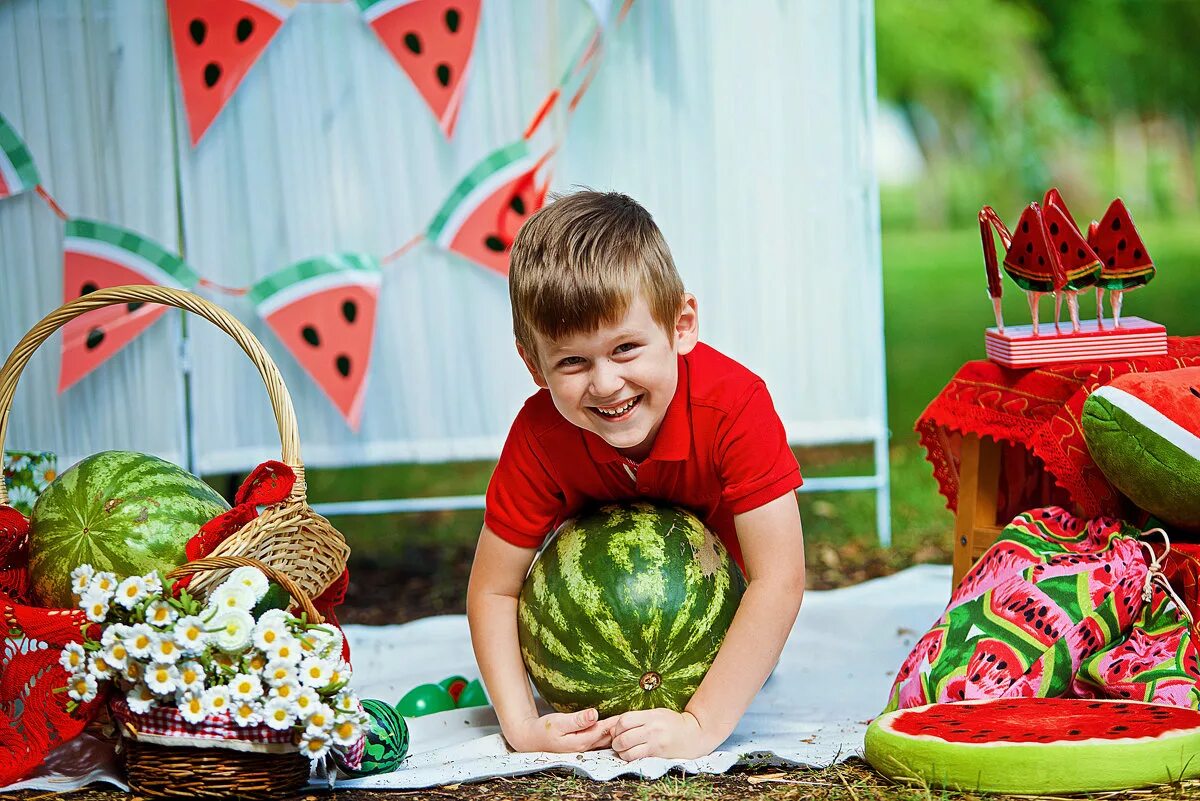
(978, 485)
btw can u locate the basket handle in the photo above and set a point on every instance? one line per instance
(229, 562)
(281, 402)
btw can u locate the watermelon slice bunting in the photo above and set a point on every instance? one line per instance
(18, 173)
(216, 44)
(432, 41)
(324, 311)
(98, 255)
(481, 217)
(1036, 746)
(1125, 264)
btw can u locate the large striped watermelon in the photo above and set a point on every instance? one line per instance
(125, 512)
(625, 609)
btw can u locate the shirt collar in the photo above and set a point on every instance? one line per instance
(674, 440)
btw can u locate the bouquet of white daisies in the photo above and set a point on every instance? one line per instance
(215, 660)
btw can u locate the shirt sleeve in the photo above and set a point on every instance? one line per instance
(754, 461)
(523, 499)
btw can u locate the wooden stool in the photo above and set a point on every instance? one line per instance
(975, 524)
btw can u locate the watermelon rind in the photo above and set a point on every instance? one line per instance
(285, 286)
(129, 513)
(17, 168)
(626, 609)
(1031, 768)
(130, 249)
(493, 172)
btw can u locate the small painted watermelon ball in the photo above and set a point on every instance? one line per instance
(386, 741)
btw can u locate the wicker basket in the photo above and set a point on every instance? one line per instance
(295, 545)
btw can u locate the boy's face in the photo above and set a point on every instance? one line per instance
(618, 380)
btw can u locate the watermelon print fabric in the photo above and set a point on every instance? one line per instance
(1053, 591)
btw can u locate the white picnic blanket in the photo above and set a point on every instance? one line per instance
(833, 676)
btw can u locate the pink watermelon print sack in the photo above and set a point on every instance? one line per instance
(1052, 592)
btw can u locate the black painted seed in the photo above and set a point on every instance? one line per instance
(87, 289)
(1028, 247)
(198, 31)
(134, 306)
(443, 74)
(343, 365)
(350, 311)
(1041, 261)
(94, 338)
(1025, 226)
(1112, 261)
(1081, 254)
(453, 18)
(517, 204)
(413, 43)
(1054, 229)
(245, 28)
(1116, 224)
(311, 336)
(1137, 253)
(494, 243)
(1121, 245)
(1064, 247)
(212, 74)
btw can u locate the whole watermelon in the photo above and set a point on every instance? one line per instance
(625, 609)
(129, 513)
(386, 742)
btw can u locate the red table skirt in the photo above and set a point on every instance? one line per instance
(1035, 415)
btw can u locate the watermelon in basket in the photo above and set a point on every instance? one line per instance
(273, 526)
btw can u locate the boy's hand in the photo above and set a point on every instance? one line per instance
(660, 733)
(563, 733)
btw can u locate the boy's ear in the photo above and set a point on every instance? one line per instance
(532, 366)
(687, 325)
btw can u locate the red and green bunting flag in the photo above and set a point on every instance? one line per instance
(18, 173)
(324, 312)
(98, 255)
(481, 217)
(216, 43)
(432, 40)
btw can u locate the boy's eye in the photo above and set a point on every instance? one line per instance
(570, 361)
(625, 347)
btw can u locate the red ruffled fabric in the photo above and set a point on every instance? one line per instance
(1035, 414)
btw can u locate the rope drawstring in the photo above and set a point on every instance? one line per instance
(1156, 577)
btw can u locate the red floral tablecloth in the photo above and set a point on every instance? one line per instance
(1034, 414)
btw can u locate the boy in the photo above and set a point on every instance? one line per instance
(631, 405)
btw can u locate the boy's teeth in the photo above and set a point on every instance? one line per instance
(620, 410)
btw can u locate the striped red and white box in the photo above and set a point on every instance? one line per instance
(1018, 347)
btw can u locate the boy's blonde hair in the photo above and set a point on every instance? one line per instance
(579, 262)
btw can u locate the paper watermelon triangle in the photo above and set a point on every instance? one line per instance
(216, 43)
(481, 217)
(18, 173)
(433, 41)
(98, 255)
(324, 311)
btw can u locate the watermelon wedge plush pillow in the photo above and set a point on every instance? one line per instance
(1143, 431)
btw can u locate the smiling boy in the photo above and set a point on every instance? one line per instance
(631, 406)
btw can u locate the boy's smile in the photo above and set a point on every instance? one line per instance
(618, 380)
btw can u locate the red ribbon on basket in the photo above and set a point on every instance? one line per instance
(33, 698)
(269, 483)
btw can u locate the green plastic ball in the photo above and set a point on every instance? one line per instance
(454, 685)
(424, 699)
(473, 695)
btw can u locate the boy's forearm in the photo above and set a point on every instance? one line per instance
(747, 656)
(493, 621)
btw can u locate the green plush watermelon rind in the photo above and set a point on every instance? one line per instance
(121, 246)
(314, 275)
(1031, 768)
(489, 175)
(17, 166)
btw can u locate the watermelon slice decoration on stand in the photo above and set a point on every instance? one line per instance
(1075, 257)
(433, 41)
(216, 43)
(324, 311)
(98, 255)
(1031, 263)
(1036, 746)
(18, 173)
(481, 217)
(1125, 264)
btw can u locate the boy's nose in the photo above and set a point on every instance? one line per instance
(606, 382)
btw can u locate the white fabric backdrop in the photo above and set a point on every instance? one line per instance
(745, 129)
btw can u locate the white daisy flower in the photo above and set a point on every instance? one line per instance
(328, 640)
(81, 577)
(192, 708)
(18, 463)
(73, 658)
(139, 640)
(191, 677)
(162, 678)
(306, 701)
(250, 578)
(232, 596)
(232, 629)
(190, 635)
(44, 472)
(346, 731)
(340, 673)
(314, 744)
(82, 687)
(104, 583)
(160, 614)
(247, 713)
(286, 648)
(269, 632)
(131, 591)
(164, 648)
(279, 671)
(320, 717)
(140, 699)
(245, 687)
(94, 604)
(287, 690)
(346, 702)
(315, 672)
(216, 699)
(153, 583)
(22, 496)
(277, 713)
(134, 671)
(255, 661)
(116, 654)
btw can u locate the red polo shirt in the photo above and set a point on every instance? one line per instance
(721, 451)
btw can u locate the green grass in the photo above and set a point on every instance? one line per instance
(936, 308)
